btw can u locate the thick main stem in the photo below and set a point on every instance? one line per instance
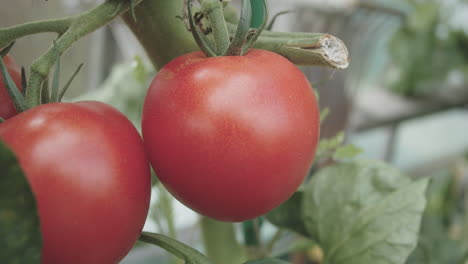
(220, 242)
(160, 30)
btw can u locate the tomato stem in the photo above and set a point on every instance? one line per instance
(164, 37)
(258, 23)
(213, 9)
(230, 251)
(242, 31)
(201, 39)
(318, 49)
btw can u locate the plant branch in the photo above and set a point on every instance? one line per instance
(313, 49)
(69, 30)
(220, 242)
(10, 34)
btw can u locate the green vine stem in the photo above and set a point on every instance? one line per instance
(220, 242)
(9, 34)
(302, 48)
(317, 49)
(69, 31)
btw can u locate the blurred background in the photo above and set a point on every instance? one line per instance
(403, 99)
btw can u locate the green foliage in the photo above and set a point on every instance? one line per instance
(267, 261)
(327, 145)
(359, 212)
(190, 255)
(334, 148)
(289, 215)
(324, 113)
(251, 230)
(20, 237)
(346, 152)
(422, 55)
(364, 212)
(442, 230)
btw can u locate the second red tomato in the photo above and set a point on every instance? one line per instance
(88, 170)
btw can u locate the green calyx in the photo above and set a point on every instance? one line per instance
(253, 19)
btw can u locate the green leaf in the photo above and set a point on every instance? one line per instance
(288, 215)
(364, 212)
(327, 146)
(20, 237)
(275, 17)
(242, 31)
(54, 95)
(7, 49)
(67, 85)
(259, 14)
(252, 230)
(188, 254)
(257, 23)
(324, 114)
(346, 152)
(267, 261)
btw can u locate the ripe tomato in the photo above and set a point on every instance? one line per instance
(7, 109)
(87, 168)
(231, 137)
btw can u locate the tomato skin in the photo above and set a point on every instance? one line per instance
(88, 170)
(231, 137)
(7, 109)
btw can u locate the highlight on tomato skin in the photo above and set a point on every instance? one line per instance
(7, 109)
(88, 171)
(231, 137)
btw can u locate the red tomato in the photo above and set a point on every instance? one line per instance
(7, 109)
(231, 137)
(88, 170)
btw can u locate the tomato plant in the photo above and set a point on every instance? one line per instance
(7, 109)
(231, 137)
(88, 170)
